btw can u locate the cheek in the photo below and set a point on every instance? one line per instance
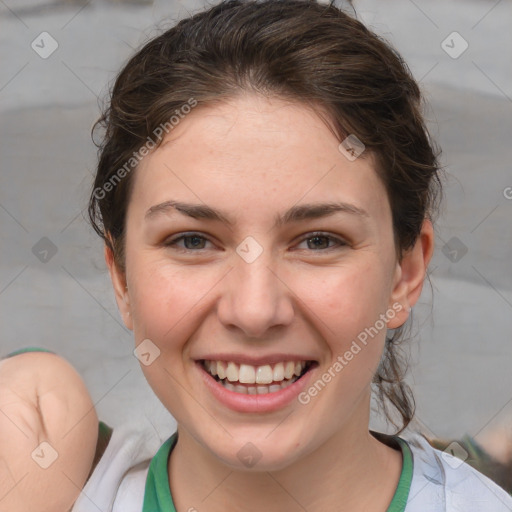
(346, 308)
(166, 310)
(345, 300)
(166, 298)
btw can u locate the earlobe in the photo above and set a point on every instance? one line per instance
(118, 279)
(410, 275)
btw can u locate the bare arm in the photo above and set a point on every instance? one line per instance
(48, 433)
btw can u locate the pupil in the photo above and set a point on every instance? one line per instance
(197, 240)
(317, 238)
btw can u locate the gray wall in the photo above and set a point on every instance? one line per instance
(54, 289)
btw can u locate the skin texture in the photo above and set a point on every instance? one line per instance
(43, 400)
(253, 158)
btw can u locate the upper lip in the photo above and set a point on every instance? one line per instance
(255, 360)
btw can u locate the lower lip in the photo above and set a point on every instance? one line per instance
(267, 402)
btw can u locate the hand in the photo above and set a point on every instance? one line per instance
(48, 433)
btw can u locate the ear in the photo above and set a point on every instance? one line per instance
(120, 289)
(410, 275)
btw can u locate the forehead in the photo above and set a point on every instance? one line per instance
(252, 156)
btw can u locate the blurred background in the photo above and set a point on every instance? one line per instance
(57, 60)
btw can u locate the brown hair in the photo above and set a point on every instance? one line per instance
(297, 50)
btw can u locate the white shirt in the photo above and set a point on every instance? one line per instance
(440, 482)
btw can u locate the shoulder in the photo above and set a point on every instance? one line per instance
(48, 432)
(443, 482)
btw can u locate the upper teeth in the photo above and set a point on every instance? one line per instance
(248, 374)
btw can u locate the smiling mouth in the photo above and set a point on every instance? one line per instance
(256, 380)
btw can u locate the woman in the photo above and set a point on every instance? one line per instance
(266, 189)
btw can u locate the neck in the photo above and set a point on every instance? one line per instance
(350, 471)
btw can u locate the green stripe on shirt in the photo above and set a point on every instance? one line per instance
(28, 349)
(157, 496)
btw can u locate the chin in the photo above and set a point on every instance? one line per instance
(258, 454)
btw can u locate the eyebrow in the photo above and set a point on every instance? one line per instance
(294, 214)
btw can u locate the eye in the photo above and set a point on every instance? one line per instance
(320, 241)
(192, 241)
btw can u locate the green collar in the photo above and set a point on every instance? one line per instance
(399, 500)
(157, 496)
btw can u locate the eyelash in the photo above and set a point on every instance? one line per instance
(173, 242)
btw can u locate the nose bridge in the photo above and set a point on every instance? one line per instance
(255, 299)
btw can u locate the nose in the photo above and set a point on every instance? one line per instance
(255, 297)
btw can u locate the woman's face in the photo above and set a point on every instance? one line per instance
(257, 295)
